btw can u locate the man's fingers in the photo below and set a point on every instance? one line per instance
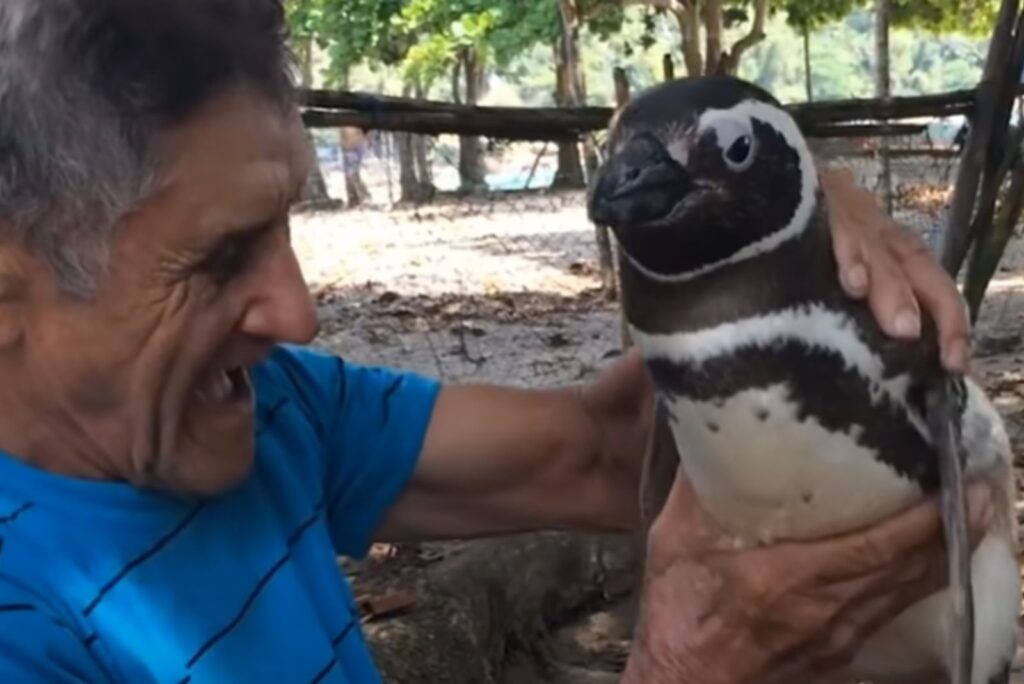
(890, 296)
(849, 253)
(893, 269)
(881, 601)
(847, 232)
(895, 539)
(851, 629)
(683, 527)
(939, 295)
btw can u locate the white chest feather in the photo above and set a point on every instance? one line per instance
(764, 468)
(766, 474)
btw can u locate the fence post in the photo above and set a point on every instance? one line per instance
(621, 87)
(883, 90)
(606, 261)
(668, 66)
(621, 100)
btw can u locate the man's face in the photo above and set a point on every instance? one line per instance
(147, 381)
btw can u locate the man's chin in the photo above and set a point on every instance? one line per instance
(209, 472)
(215, 453)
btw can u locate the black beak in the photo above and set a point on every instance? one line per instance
(640, 184)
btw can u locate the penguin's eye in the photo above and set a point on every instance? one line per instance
(739, 153)
(736, 140)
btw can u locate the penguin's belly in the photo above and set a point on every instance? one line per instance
(766, 472)
(789, 425)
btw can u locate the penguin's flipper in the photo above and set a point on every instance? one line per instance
(661, 463)
(944, 427)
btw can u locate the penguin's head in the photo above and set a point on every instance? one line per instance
(701, 173)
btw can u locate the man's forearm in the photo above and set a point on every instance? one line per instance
(501, 460)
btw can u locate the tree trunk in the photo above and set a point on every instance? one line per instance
(567, 94)
(471, 156)
(987, 254)
(986, 117)
(688, 19)
(808, 81)
(315, 192)
(731, 61)
(306, 57)
(883, 89)
(407, 179)
(1002, 151)
(713, 28)
(424, 170)
(316, 186)
(668, 67)
(353, 150)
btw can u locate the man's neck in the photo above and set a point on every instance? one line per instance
(44, 438)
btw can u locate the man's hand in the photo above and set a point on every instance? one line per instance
(712, 614)
(500, 460)
(894, 270)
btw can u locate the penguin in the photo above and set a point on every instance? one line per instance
(793, 415)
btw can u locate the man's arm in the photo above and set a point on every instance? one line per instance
(501, 460)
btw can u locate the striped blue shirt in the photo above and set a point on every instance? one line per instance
(102, 582)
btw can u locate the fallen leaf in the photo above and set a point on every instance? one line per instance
(385, 605)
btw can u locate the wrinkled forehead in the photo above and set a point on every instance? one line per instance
(238, 153)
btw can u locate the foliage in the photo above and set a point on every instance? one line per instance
(350, 31)
(813, 14)
(975, 17)
(423, 37)
(373, 39)
(842, 54)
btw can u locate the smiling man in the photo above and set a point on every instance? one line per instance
(178, 471)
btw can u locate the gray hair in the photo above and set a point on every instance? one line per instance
(86, 85)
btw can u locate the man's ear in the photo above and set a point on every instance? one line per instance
(14, 295)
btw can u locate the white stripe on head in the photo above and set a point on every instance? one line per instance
(782, 122)
(813, 326)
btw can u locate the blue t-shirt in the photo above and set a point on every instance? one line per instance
(101, 582)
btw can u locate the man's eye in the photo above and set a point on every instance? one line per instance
(230, 257)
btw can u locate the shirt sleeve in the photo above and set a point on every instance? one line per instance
(372, 421)
(36, 647)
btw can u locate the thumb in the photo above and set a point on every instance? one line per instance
(684, 527)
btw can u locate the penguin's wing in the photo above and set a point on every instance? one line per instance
(943, 422)
(660, 465)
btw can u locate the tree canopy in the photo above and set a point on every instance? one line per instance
(419, 40)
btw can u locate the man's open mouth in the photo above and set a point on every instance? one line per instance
(224, 386)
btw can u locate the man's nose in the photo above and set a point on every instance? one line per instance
(283, 309)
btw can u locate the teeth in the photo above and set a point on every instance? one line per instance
(216, 387)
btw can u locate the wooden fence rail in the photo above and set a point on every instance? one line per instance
(839, 118)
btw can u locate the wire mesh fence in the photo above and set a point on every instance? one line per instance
(496, 277)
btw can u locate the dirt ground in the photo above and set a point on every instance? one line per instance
(505, 290)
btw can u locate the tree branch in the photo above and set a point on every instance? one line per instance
(713, 27)
(688, 17)
(456, 68)
(754, 36)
